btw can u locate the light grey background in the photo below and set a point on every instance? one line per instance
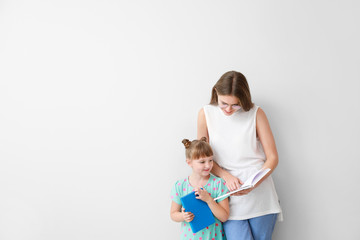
(96, 96)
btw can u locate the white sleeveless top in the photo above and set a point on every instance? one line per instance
(237, 149)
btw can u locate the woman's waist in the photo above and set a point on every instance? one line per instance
(241, 164)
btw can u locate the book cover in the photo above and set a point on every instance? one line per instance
(203, 216)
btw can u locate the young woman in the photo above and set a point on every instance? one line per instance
(242, 141)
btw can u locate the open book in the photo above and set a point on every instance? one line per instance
(249, 183)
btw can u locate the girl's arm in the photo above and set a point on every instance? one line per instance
(178, 214)
(220, 210)
(266, 138)
(232, 182)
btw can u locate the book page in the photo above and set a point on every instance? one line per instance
(250, 182)
(254, 178)
(259, 175)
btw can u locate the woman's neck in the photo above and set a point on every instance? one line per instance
(196, 180)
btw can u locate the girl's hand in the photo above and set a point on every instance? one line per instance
(232, 183)
(203, 195)
(188, 216)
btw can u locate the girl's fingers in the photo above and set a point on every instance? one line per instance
(189, 216)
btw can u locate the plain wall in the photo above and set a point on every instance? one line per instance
(96, 96)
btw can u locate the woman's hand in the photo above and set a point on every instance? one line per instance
(243, 192)
(203, 195)
(188, 216)
(232, 183)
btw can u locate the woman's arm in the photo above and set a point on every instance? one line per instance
(232, 182)
(266, 138)
(263, 131)
(202, 130)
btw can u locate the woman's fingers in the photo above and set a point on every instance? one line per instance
(230, 187)
(233, 183)
(237, 183)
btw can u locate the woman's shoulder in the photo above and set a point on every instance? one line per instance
(253, 111)
(254, 107)
(260, 114)
(207, 108)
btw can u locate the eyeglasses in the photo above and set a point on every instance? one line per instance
(225, 105)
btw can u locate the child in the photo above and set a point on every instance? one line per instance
(199, 157)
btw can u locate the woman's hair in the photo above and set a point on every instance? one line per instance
(234, 84)
(197, 148)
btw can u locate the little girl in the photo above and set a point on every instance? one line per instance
(199, 156)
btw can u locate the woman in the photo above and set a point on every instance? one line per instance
(242, 141)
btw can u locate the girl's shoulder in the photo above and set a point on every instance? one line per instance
(216, 187)
(216, 179)
(182, 181)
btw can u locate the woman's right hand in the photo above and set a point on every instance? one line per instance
(232, 183)
(188, 216)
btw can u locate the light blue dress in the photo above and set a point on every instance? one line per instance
(216, 187)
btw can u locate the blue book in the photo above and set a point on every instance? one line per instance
(203, 216)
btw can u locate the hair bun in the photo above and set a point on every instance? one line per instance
(203, 139)
(186, 143)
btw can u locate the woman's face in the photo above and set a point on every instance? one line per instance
(228, 104)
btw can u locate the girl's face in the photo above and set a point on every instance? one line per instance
(228, 104)
(201, 166)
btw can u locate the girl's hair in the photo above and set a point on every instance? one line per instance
(197, 148)
(234, 84)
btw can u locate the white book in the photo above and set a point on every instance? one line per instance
(249, 183)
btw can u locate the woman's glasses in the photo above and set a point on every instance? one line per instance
(233, 106)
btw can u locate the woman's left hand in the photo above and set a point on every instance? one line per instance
(242, 192)
(246, 191)
(203, 195)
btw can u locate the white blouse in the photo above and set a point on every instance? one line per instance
(237, 149)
